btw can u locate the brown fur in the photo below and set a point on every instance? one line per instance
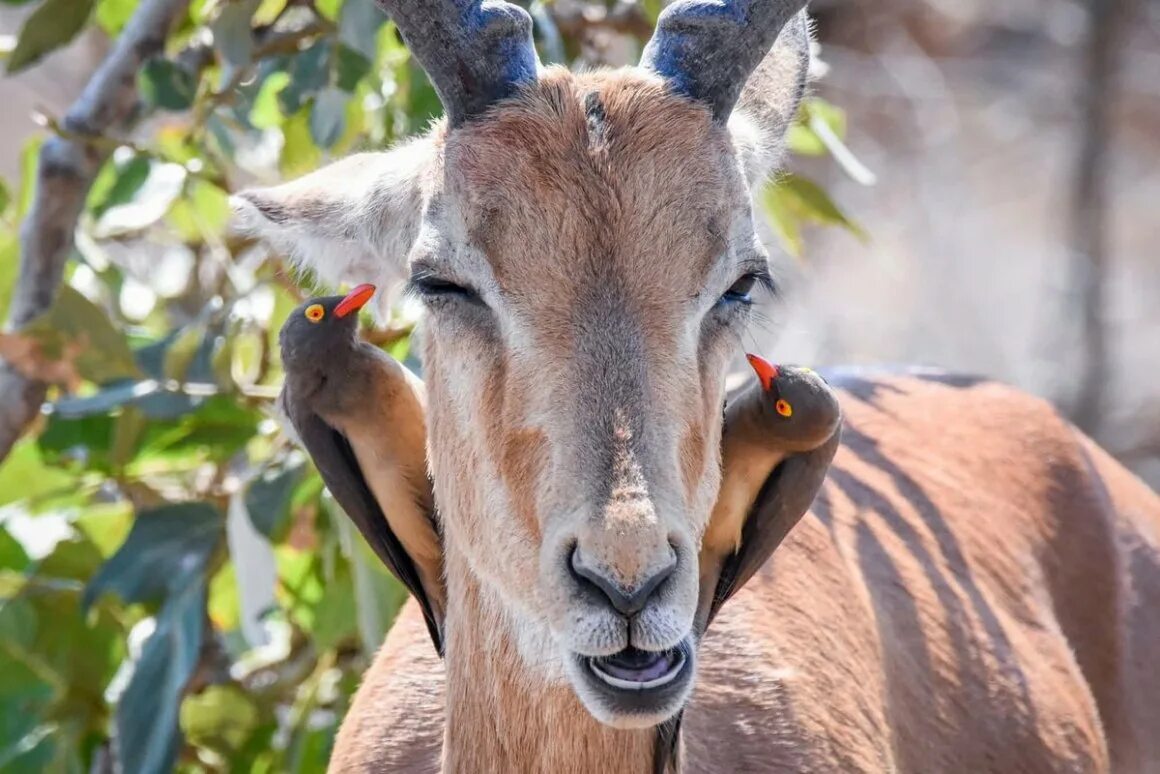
(975, 590)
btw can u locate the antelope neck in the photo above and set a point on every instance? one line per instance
(504, 714)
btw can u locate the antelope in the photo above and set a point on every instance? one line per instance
(974, 588)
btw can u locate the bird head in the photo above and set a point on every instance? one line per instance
(798, 404)
(320, 330)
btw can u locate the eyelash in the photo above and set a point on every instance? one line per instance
(740, 291)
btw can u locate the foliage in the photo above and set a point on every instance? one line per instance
(176, 588)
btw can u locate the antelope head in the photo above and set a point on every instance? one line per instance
(585, 248)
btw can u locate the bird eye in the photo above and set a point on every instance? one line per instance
(315, 313)
(784, 408)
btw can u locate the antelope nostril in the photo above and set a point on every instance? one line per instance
(626, 601)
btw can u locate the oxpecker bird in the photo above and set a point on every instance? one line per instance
(777, 442)
(361, 416)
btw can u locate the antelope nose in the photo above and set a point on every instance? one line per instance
(628, 601)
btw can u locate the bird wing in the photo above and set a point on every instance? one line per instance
(336, 462)
(784, 498)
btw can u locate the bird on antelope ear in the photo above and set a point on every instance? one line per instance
(361, 416)
(789, 416)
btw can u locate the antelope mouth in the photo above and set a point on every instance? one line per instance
(638, 670)
(636, 688)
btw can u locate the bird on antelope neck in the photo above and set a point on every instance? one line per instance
(790, 415)
(361, 415)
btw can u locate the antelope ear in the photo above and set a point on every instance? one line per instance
(353, 221)
(769, 102)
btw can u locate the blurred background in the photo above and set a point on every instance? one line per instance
(970, 185)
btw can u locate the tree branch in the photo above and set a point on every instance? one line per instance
(1107, 21)
(66, 170)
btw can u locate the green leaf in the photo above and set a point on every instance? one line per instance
(266, 113)
(378, 595)
(12, 554)
(268, 11)
(113, 14)
(782, 219)
(147, 714)
(358, 26)
(350, 68)
(269, 495)
(222, 718)
(164, 84)
(216, 430)
(202, 213)
(9, 267)
(231, 32)
(5, 197)
(299, 153)
(105, 400)
(336, 615)
(328, 116)
(165, 544)
(29, 163)
(75, 337)
(309, 71)
(50, 26)
(126, 179)
(329, 8)
(85, 440)
(24, 476)
(810, 202)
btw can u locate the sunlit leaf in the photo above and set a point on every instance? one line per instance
(201, 213)
(268, 11)
(810, 202)
(266, 113)
(221, 717)
(113, 14)
(53, 24)
(25, 476)
(782, 219)
(330, 8)
(29, 161)
(299, 153)
(9, 267)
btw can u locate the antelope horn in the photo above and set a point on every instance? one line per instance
(707, 49)
(475, 52)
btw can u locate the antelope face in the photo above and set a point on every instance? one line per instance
(587, 266)
(585, 249)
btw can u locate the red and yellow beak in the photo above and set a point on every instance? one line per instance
(355, 300)
(766, 371)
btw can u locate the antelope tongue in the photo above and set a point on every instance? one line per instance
(638, 666)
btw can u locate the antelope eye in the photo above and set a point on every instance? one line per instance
(740, 291)
(315, 313)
